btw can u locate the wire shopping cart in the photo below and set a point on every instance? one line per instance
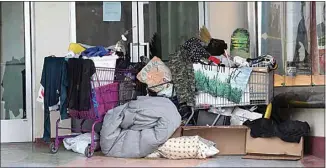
(110, 88)
(259, 91)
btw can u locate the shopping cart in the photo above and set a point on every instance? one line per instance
(259, 91)
(110, 87)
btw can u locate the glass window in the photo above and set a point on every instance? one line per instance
(172, 23)
(163, 24)
(294, 33)
(92, 30)
(12, 55)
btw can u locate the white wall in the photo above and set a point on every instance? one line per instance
(225, 17)
(52, 37)
(314, 117)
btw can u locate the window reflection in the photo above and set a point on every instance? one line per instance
(294, 33)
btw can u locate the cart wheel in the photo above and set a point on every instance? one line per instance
(53, 148)
(88, 152)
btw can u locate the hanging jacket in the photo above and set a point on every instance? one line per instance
(79, 75)
(54, 80)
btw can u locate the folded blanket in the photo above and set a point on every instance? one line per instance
(138, 127)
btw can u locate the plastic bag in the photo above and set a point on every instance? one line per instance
(40, 95)
(40, 98)
(79, 143)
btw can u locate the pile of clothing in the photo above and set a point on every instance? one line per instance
(162, 101)
(177, 79)
(66, 83)
(147, 123)
(288, 131)
(279, 123)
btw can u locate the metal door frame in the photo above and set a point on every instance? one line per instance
(28, 79)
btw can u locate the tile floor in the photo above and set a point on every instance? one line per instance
(37, 155)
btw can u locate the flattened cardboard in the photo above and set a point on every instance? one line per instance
(272, 148)
(230, 140)
(271, 157)
(177, 133)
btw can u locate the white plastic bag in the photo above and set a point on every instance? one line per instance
(40, 95)
(239, 116)
(40, 98)
(241, 62)
(79, 143)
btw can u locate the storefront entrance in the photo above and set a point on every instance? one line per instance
(164, 25)
(167, 24)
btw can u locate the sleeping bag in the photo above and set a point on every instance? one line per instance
(139, 127)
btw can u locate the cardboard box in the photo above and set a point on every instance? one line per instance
(177, 133)
(230, 140)
(272, 148)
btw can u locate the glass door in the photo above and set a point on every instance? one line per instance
(165, 25)
(16, 118)
(102, 23)
(294, 33)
